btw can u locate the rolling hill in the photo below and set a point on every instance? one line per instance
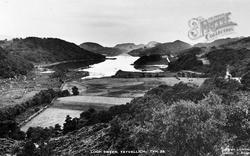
(99, 49)
(48, 50)
(110, 51)
(238, 44)
(18, 56)
(169, 48)
(127, 47)
(218, 58)
(91, 46)
(217, 43)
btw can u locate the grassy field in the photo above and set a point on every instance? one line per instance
(94, 99)
(85, 102)
(125, 87)
(100, 94)
(72, 106)
(50, 117)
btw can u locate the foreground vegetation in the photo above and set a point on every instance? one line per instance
(181, 120)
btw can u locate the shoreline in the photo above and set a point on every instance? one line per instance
(63, 62)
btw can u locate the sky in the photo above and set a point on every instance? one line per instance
(110, 22)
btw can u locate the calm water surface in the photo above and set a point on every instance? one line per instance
(111, 66)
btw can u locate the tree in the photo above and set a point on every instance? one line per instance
(57, 127)
(29, 149)
(10, 129)
(57, 130)
(237, 124)
(230, 84)
(184, 128)
(38, 134)
(87, 114)
(75, 90)
(65, 93)
(245, 80)
(7, 126)
(70, 124)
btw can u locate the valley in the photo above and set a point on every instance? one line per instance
(117, 77)
(119, 87)
(100, 91)
(124, 78)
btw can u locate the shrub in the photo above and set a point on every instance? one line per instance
(245, 80)
(75, 90)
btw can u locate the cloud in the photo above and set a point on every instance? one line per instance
(113, 21)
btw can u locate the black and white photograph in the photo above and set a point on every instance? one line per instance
(124, 78)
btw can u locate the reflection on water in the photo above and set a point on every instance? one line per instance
(111, 66)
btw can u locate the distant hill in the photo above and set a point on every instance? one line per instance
(238, 44)
(218, 42)
(169, 48)
(234, 52)
(48, 50)
(218, 58)
(11, 65)
(91, 46)
(99, 49)
(126, 47)
(110, 51)
(152, 44)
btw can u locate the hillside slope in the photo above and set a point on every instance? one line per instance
(91, 46)
(218, 58)
(48, 50)
(238, 44)
(169, 48)
(217, 43)
(180, 120)
(11, 65)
